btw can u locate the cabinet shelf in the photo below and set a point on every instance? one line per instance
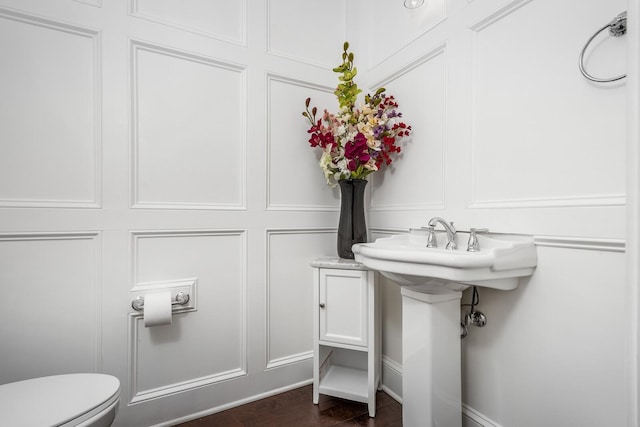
(346, 360)
(345, 382)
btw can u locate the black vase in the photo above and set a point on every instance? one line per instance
(352, 227)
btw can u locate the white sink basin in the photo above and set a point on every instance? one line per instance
(406, 260)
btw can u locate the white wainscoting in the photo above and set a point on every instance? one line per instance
(305, 38)
(172, 358)
(294, 178)
(411, 25)
(289, 323)
(68, 59)
(201, 17)
(180, 131)
(509, 139)
(52, 293)
(414, 181)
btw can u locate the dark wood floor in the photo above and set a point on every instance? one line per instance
(295, 409)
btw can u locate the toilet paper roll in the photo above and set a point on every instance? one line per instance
(157, 309)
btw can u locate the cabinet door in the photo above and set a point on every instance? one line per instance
(343, 306)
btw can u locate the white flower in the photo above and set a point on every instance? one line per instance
(373, 143)
(371, 165)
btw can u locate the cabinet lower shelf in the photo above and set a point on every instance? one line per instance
(346, 342)
(345, 382)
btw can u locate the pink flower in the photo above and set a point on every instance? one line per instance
(357, 151)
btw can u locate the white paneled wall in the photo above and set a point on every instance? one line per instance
(513, 138)
(221, 315)
(152, 142)
(288, 153)
(147, 141)
(199, 16)
(420, 90)
(38, 269)
(180, 129)
(63, 62)
(289, 299)
(509, 138)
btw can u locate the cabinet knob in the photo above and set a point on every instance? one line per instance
(321, 305)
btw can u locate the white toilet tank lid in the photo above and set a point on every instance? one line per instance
(55, 400)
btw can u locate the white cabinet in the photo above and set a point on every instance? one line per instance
(346, 360)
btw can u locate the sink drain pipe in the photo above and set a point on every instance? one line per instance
(473, 317)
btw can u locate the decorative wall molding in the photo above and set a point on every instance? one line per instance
(552, 202)
(135, 320)
(379, 59)
(279, 53)
(95, 237)
(406, 208)
(95, 37)
(137, 46)
(288, 360)
(477, 27)
(66, 235)
(426, 57)
(387, 230)
(234, 404)
(477, 202)
(581, 243)
(392, 385)
(271, 361)
(140, 396)
(136, 235)
(437, 51)
(270, 79)
(134, 10)
(96, 3)
(392, 378)
(498, 14)
(473, 418)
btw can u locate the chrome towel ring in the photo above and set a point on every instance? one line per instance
(617, 27)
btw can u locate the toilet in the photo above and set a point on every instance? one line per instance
(60, 400)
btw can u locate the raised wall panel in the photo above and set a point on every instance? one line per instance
(391, 307)
(412, 23)
(555, 144)
(221, 20)
(566, 282)
(50, 109)
(420, 91)
(189, 147)
(200, 347)
(96, 3)
(50, 319)
(305, 38)
(292, 164)
(289, 291)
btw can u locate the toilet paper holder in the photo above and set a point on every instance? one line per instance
(182, 298)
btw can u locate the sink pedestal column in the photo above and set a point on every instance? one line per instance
(431, 380)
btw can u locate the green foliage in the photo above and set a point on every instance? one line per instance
(347, 91)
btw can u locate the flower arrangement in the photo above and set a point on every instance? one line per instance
(356, 141)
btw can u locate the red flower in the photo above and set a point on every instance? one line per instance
(357, 152)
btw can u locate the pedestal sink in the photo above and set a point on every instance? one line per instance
(432, 281)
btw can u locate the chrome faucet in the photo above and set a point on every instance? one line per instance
(452, 236)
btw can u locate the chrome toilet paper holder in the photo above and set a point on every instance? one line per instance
(182, 298)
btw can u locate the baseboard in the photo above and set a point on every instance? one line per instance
(392, 378)
(473, 418)
(392, 385)
(233, 404)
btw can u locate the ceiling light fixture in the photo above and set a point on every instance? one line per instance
(413, 4)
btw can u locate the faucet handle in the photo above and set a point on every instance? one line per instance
(431, 237)
(473, 245)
